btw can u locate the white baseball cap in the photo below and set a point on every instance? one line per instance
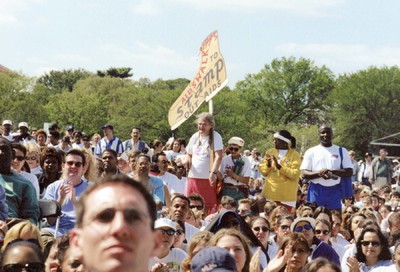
(164, 222)
(7, 122)
(23, 124)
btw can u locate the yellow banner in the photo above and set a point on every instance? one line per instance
(208, 81)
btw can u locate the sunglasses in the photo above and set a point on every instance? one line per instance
(300, 228)
(33, 158)
(324, 232)
(30, 267)
(284, 227)
(179, 232)
(19, 158)
(72, 163)
(236, 149)
(169, 232)
(264, 229)
(199, 207)
(372, 243)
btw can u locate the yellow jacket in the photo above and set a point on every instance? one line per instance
(281, 185)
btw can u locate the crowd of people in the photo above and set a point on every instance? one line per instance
(196, 205)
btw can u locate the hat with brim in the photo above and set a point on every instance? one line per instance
(7, 122)
(301, 219)
(213, 259)
(237, 141)
(23, 124)
(164, 223)
(107, 126)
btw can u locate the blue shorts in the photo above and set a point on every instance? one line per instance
(329, 197)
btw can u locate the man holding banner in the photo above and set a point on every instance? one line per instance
(204, 154)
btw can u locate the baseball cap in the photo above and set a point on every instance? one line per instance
(7, 122)
(23, 124)
(164, 222)
(300, 219)
(107, 126)
(68, 128)
(237, 141)
(213, 259)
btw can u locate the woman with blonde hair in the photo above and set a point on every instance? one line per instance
(90, 169)
(237, 244)
(197, 243)
(33, 158)
(24, 230)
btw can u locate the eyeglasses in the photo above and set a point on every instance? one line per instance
(372, 243)
(236, 149)
(164, 161)
(19, 158)
(72, 163)
(179, 232)
(33, 158)
(284, 227)
(198, 207)
(264, 229)
(30, 267)
(169, 232)
(300, 228)
(324, 232)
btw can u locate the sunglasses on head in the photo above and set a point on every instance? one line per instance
(30, 267)
(33, 241)
(236, 149)
(72, 163)
(373, 243)
(179, 232)
(169, 232)
(300, 228)
(198, 207)
(264, 229)
(19, 158)
(324, 232)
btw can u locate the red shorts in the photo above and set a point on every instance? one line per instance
(203, 187)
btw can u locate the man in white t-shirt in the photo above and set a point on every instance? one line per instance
(235, 170)
(322, 166)
(170, 180)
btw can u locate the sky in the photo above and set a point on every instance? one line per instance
(160, 39)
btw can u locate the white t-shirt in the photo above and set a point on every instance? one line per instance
(172, 155)
(199, 148)
(227, 163)
(173, 183)
(319, 157)
(173, 260)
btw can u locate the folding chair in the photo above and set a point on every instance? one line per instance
(49, 208)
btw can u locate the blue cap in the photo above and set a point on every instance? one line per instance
(213, 259)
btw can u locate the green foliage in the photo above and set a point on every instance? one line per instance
(123, 72)
(57, 81)
(287, 91)
(366, 106)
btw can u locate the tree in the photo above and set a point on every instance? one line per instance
(366, 106)
(288, 90)
(57, 81)
(123, 72)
